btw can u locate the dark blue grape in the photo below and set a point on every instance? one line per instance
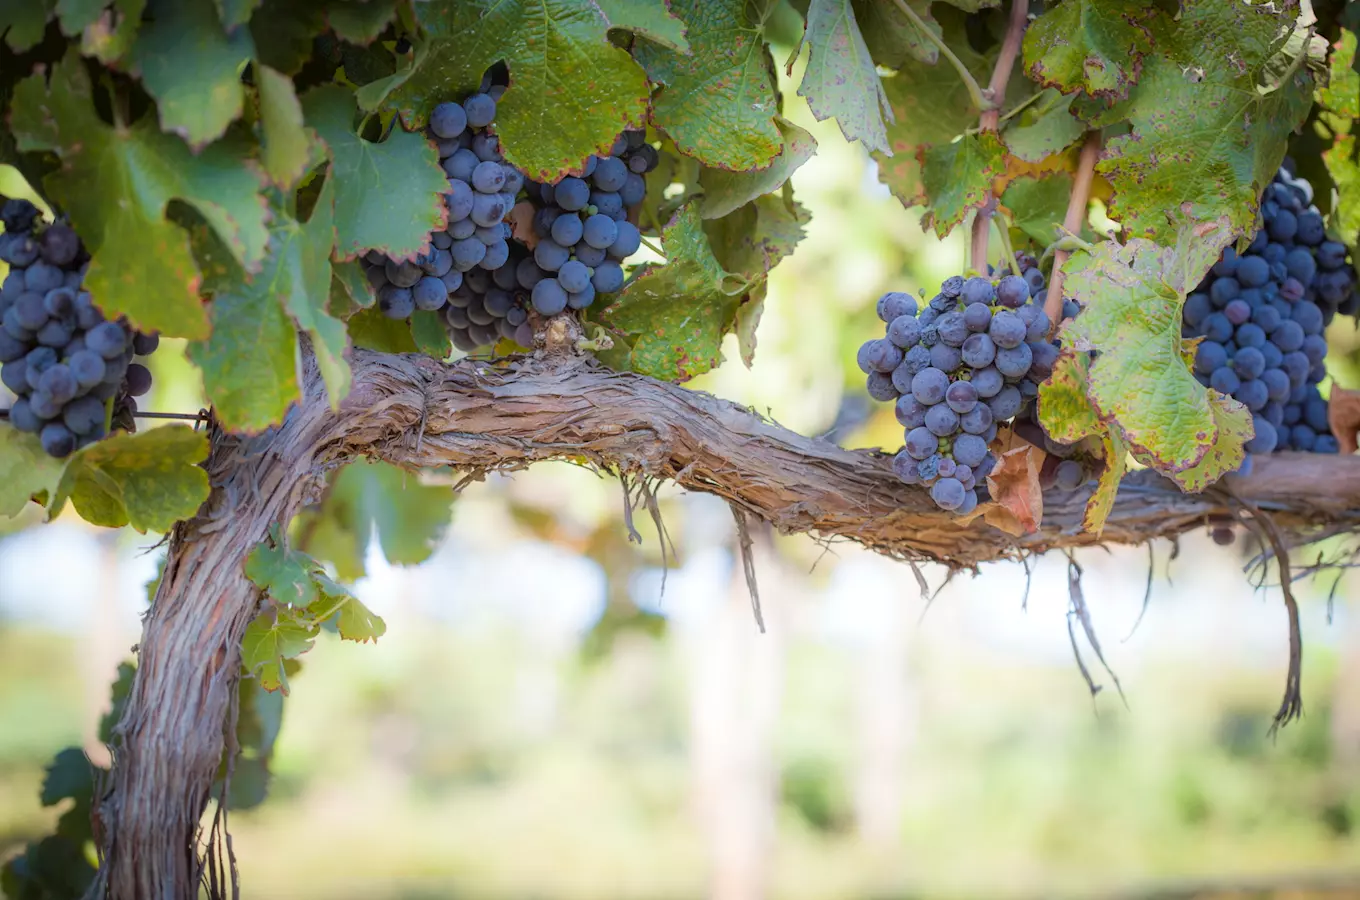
(1282, 226)
(1248, 363)
(1277, 384)
(1043, 357)
(921, 442)
(1223, 290)
(1037, 329)
(480, 110)
(941, 421)
(489, 209)
(1288, 336)
(610, 174)
(1252, 271)
(488, 177)
(1308, 316)
(1296, 365)
(1253, 394)
(574, 275)
(550, 255)
(1071, 308)
(916, 359)
(904, 331)
(961, 396)
(952, 328)
(1325, 443)
(947, 493)
(567, 229)
(1238, 311)
(978, 351)
(1267, 317)
(429, 293)
(976, 290)
(904, 467)
(497, 255)
(928, 469)
(1315, 348)
(84, 416)
(977, 316)
(396, 302)
(572, 193)
(1005, 404)
(467, 253)
(1006, 330)
(1012, 291)
(1014, 362)
(583, 298)
(548, 297)
(137, 381)
(608, 277)
(633, 190)
(1250, 335)
(977, 420)
(108, 340)
(57, 440)
(883, 356)
(1265, 437)
(1301, 437)
(945, 358)
(970, 450)
(1225, 380)
(600, 231)
(895, 304)
(1069, 475)
(929, 385)
(910, 412)
(627, 241)
(987, 381)
(1311, 229)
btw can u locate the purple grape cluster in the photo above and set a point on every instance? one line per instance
(957, 366)
(70, 369)
(484, 279)
(1262, 314)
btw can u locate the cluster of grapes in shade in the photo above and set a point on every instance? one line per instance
(1262, 313)
(485, 279)
(957, 367)
(70, 369)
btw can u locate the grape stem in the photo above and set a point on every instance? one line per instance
(974, 90)
(1072, 222)
(990, 120)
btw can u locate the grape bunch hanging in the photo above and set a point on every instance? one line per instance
(1262, 313)
(484, 279)
(71, 370)
(969, 360)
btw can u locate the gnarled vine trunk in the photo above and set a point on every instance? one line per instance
(415, 411)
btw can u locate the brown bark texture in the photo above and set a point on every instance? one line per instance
(417, 412)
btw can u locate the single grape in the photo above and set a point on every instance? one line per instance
(460, 165)
(574, 275)
(1014, 362)
(1007, 330)
(977, 316)
(1006, 403)
(1196, 308)
(952, 328)
(549, 298)
(1070, 475)
(396, 302)
(1265, 438)
(1237, 311)
(904, 467)
(978, 351)
(928, 469)
(987, 382)
(57, 440)
(480, 110)
(975, 290)
(1249, 363)
(567, 229)
(107, 339)
(947, 493)
(895, 304)
(1038, 328)
(550, 255)
(904, 331)
(929, 385)
(582, 298)
(467, 253)
(1209, 356)
(1250, 335)
(608, 277)
(572, 193)
(880, 386)
(137, 380)
(497, 255)
(1012, 291)
(1225, 380)
(921, 442)
(55, 333)
(1253, 394)
(84, 415)
(943, 303)
(1289, 336)
(977, 420)
(30, 310)
(600, 231)
(447, 120)
(627, 241)
(488, 209)
(970, 450)
(610, 174)
(961, 396)
(883, 356)
(941, 421)
(429, 293)
(910, 412)
(488, 177)
(945, 358)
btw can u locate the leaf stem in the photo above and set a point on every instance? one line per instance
(969, 81)
(990, 119)
(1003, 231)
(1076, 216)
(653, 247)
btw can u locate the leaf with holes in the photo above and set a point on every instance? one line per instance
(388, 195)
(148, 480)
(718, 103)
(957, 178)
(674, 315)
(563, 70)
(1202, 133)
(1132, 297)
(1096, 46)
(840, 79)
(115, 185)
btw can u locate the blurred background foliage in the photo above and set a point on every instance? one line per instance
(543, 720)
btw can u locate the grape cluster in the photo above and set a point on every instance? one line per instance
(971, 358)
(1262, 313)
(70, 369)
(485, 279)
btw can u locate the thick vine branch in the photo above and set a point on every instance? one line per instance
(415, 411)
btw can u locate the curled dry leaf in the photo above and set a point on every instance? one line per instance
(522, 223)
(1343, 415)
(1014, 485)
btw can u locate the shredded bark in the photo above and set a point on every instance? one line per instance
(416, 412)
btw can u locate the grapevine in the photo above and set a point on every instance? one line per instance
(470, 237)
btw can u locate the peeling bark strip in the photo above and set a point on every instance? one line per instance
(414, 411)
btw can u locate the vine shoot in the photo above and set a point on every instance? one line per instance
(464, 236)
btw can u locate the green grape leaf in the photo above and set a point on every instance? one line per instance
(1044, 128)
(235, 12)
(1235, 428)
(1065, 409)
(1341, 163)
(149, 480)
(359, 21)
(647, 18)
(1132, 297)
(674, 315)
(70, 776)
(272, 637)
(753, 239)
(1341, 93)
(957, 178)
(840, 79)
(1201, 131)
(306, 293)
(283, 31)
(115, 185)
(892, 38)
(109, 38)
(286, 147)
(389, 195)
(930, 107)
(353, 284)
(284, 574)
(409, 518)
(23, 22)
(357, 622)
(750, 242)
(726, 191)
(427, 330)
(372, 330)
(249, 363)
(718, 104)
(1098, 508)
(25, 470)
(76, 15)
(563, 69)
(1038, 205)
(1096, 46)
(192, 68)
